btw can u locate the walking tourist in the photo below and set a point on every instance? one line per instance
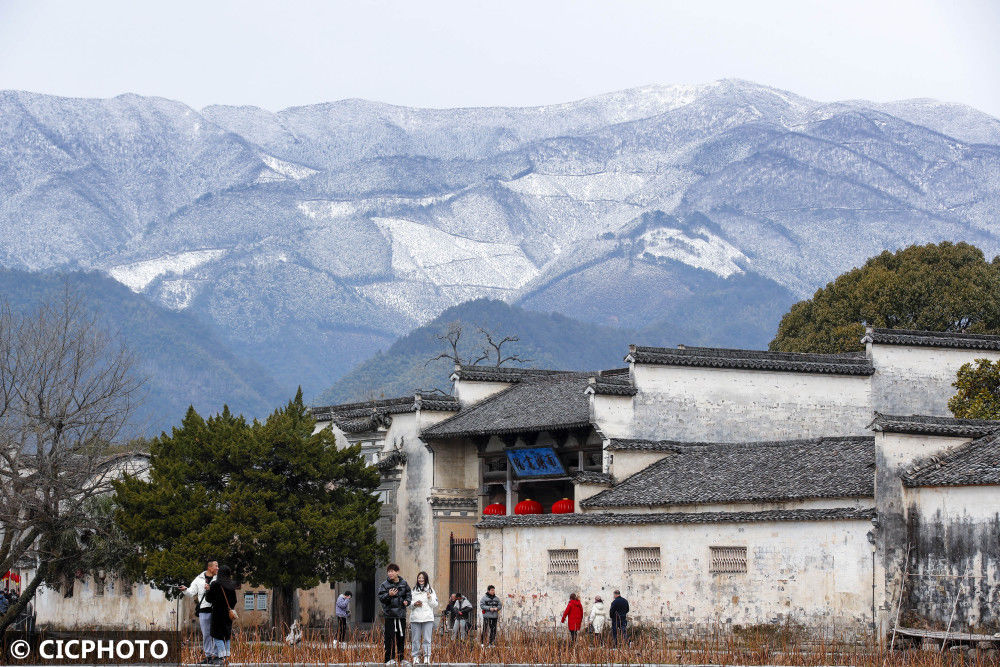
(222, 595)
(395, 595)
(425, 601)
(447, 616)
(343, 612)
(619, 618)
(203, 608)
(490, 606)
(573, 611)
(461, 611)
(598, 616)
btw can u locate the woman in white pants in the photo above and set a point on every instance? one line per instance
(422, 617)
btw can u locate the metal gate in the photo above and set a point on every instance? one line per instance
(462, 578)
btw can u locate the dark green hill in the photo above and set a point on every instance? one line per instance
(183, 359)
(549, 340)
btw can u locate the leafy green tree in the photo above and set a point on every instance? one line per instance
(978, 394)
(283, 506)
(937, 287)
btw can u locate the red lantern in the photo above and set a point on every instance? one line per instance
(528, 507)
(564, 506)
(496, 509)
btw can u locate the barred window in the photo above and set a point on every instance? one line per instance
(564, 561)
(728, 560)
(642, 559)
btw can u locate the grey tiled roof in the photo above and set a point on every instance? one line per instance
(502, 373)
(932, 339)
(589, 477)
(931, 425)
(537, 402)
(622, 519)
(637, 445)
(972, 464)
(852, 363)
(698, 473)
(615, 382)
(369, 415)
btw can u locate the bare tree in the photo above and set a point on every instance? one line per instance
(493, 349)
(67, 392)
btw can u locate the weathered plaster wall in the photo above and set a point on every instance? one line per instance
(811, 572)
(917, 380)
(144, 609)
(613, 415)
(955, 531)
(724, 405)
(468, 392)
(894, 452)
(623, 464)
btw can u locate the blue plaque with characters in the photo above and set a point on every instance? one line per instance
(535, 462)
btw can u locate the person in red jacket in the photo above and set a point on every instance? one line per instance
(574, 611)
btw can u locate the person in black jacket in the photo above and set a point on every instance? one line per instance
(395, 595)
(222, 595)
(619, 618)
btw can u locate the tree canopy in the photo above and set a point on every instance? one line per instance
(937, 287)
(281, 505)
(978, 395)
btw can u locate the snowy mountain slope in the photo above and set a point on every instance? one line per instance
(316, 235)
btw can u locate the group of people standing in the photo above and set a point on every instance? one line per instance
(599, 614)
(214, 594)
(397, 597)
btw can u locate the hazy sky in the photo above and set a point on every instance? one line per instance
(281, 53)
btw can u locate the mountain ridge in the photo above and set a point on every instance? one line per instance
(312, 237)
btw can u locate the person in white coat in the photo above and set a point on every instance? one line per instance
(598, 616)
(422, 618)
(202, 608)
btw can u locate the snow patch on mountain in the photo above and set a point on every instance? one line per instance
(698, 248)
(331, 209)
(287, 169)
(603, 186)
(422, 252)
(138, 275)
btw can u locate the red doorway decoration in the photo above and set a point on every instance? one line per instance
(496, 509)
(564, 506)
(528, 507)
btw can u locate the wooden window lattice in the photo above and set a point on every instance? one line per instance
(642, 559)
(728, 560)
(564, 561)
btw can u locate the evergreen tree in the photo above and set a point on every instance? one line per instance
(978, 394)
(283, 506)
(942, 287)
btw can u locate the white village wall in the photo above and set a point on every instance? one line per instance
(622, 464)
(818, 573)
(613, 415)
(468, 392)
(727, 405)
(955, 532)
(145, 609)
(918, 380)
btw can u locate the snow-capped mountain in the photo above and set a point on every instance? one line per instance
(316, 235)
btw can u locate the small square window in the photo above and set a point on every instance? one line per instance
(642, 559)
(261, 601)
(564, 561)
(726, 560)
(248, 599)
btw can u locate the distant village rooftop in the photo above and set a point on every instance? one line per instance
(629, 519)
(851, 363)
(932, 425)
(972, 464)
(932, 338)
(697, 473)
(368, 415)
